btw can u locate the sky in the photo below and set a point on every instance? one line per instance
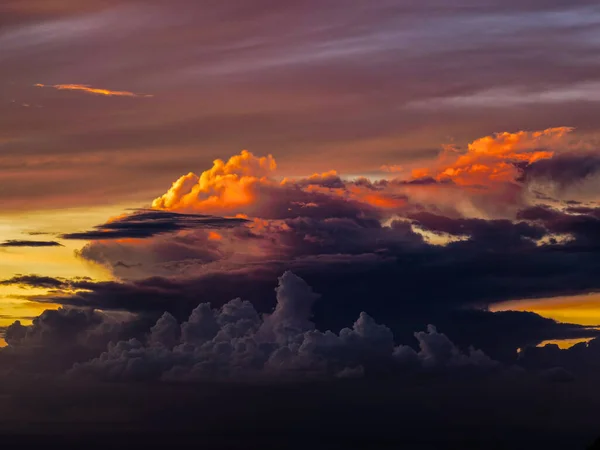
(208, 190)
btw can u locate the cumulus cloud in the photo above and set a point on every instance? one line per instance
(364, 245)
(496, 158)
(245, 184)
(230, 185)
(493, 178)
(357, 263)
(59, 338)
(322, 213)
(474, 196)
(235, 342)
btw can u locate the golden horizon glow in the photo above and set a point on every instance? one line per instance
(577, 309)
(564, 343)
(50, 261)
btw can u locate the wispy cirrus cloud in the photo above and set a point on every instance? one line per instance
(91, 90)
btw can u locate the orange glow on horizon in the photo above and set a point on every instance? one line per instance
(580, 309)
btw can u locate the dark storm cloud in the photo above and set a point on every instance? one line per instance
(355, 262)
(234, 341)
(25, 243)
(395, 290)
(230, 342)
(147, 223)
(332, 86)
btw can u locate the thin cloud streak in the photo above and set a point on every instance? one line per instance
(27, 243)
(90, 90)
(513, 97)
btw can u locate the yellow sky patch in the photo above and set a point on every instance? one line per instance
(564, 343)
(579, 309)
(51, 261)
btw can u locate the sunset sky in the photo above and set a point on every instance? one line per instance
(423, 162)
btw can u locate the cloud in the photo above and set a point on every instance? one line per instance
(348, 285)
(35, 281)
(405, 251)
(143, 224)
(245, 184)
(494, 159)
(90, 90)
(57, 339)
(161, 255)
(578, 360)
(566, 176)
(288, 112)
(579, 226)
(501, 233)
(226, 186)
(518, 330)
(489, 180)
(26, 243)
(235, 342)
(323, 236)
(513, 97)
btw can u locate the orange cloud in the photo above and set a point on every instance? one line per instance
(226, 186)
(214, 236)
(495, 158)
(90, 90)
(244, 185)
